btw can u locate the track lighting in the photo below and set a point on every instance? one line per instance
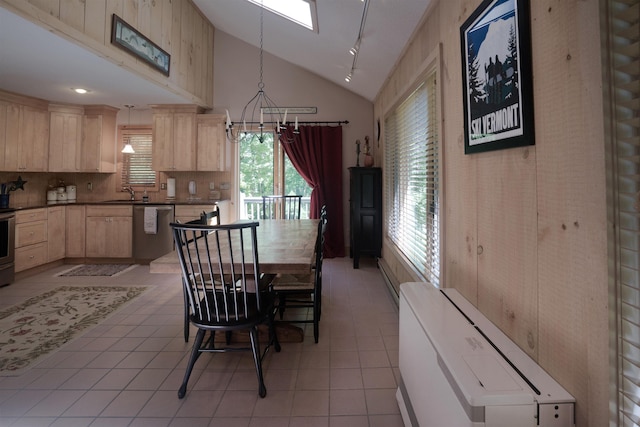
(354, 50)
(356, 47)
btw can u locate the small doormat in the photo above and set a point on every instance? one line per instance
(44, 323)
(97, 270)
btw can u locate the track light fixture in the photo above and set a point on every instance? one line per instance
(354, 50)
(356, 47)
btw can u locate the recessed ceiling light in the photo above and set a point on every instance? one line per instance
(79, 90)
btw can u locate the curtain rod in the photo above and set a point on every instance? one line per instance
(338, 122)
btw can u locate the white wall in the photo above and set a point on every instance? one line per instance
(236, 78)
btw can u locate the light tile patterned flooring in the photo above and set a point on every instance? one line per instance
(126, 371)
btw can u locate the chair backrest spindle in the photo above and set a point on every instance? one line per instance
(281, 207)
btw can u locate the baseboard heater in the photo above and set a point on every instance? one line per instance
(458, 369)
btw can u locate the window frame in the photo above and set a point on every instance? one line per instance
(123, 132)
(431, 67)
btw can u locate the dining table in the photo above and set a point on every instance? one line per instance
(285, 246)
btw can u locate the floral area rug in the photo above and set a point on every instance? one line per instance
(97, 270)
(44, 323)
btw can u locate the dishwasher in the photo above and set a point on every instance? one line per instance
(148, 245)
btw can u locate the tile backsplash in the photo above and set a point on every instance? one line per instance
(104, 186)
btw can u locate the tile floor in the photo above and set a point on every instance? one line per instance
(126, 371)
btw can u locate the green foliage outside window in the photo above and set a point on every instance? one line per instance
(256, 169)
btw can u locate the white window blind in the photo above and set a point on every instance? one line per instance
(136, 168)
(624, 187)
(411, 188)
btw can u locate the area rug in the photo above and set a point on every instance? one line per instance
(97, 270)
(44, 323)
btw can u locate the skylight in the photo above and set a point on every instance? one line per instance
(302, 12)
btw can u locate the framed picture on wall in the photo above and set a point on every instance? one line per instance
(496, 76)
(128, 38)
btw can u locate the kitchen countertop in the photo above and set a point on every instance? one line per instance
(118, 202)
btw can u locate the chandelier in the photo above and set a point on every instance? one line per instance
(260, 105)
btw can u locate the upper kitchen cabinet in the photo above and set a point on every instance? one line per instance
(211, 143)
(24, 133)
(99, 144)
(65, 138)
(82, 139)
(174, 137)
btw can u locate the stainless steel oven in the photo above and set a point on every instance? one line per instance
(7, 246)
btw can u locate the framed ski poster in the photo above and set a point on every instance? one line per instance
(496, 73)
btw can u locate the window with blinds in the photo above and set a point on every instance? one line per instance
(136, 168)
(623, 186)
(411, 187)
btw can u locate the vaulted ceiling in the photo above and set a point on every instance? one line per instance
(38, 63)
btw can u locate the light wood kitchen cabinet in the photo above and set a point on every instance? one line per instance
(109, 231)
(211, 143)
(186, 213)
(65, 138)
(99, 145)
(55, 233)
(174, 137)
(31, 238)
(24, 133)
(75, 231)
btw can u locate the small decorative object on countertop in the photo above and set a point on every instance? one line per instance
(6, 188)
(357, 153)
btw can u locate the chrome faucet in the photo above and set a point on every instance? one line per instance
(131, 192)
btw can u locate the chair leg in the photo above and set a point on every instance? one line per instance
(316, 318)
(195, 353)
(282, 303)
(257, 360)
(273, 336)
(186, 316)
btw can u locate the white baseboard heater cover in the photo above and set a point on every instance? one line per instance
(458, 369)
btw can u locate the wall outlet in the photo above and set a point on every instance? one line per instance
(163, 186)
(89, 186)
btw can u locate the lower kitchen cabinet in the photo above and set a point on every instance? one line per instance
(55, 233)
(31, 239)
(109, 231)
(75, 231)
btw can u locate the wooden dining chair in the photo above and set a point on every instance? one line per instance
(211, 217)
(281, 207)
(304, 291)
(224, 289)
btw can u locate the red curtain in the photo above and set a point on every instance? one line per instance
(317, 156)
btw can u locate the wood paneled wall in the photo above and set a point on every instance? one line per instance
(524, 231)
(178, 27)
